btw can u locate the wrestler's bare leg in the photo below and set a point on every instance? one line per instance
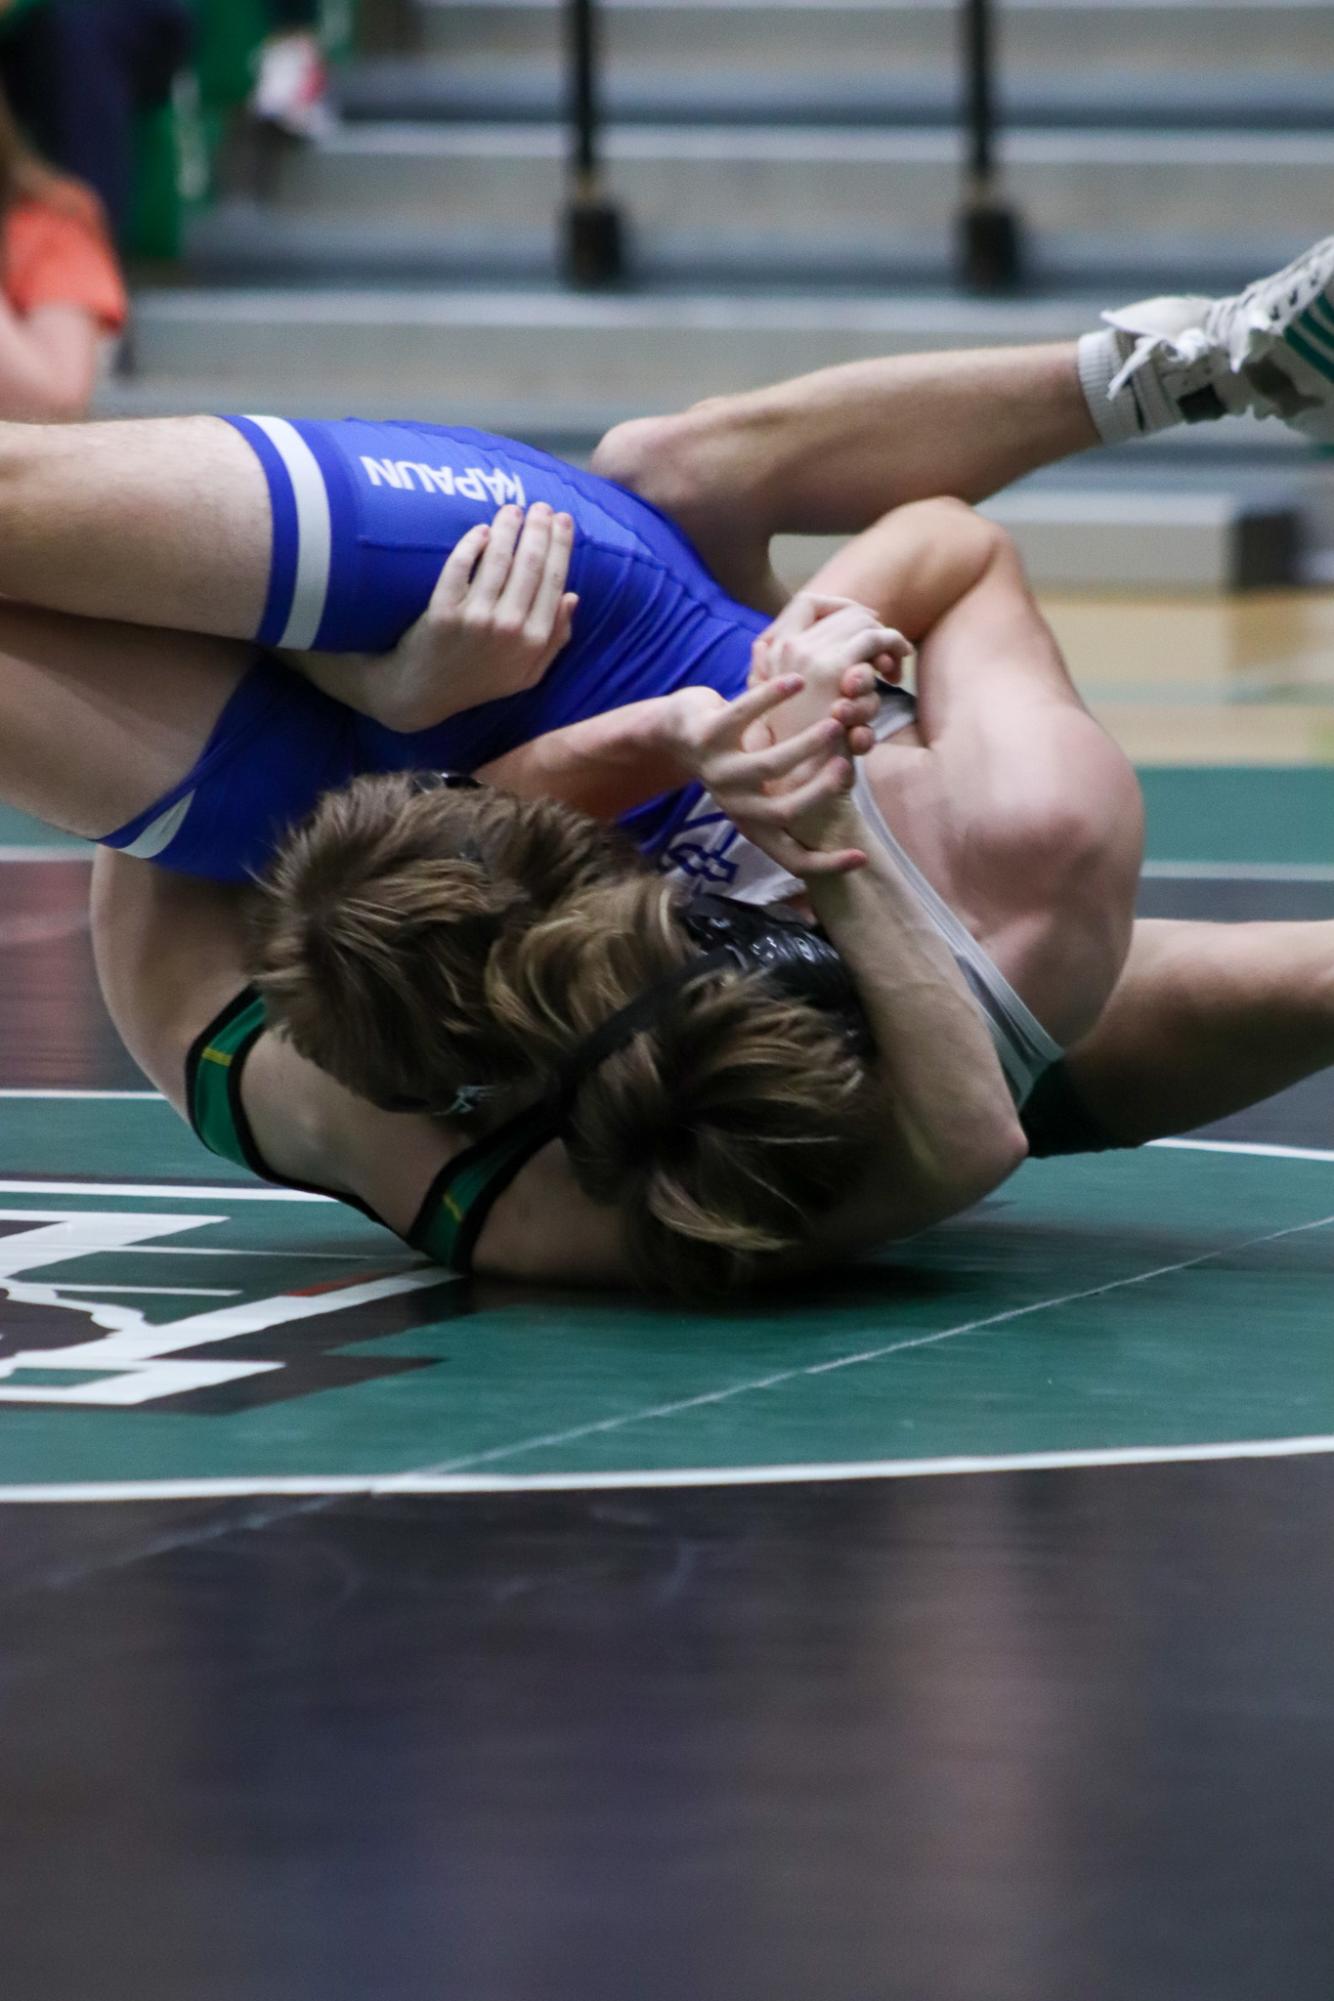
(167, 522)
(828, 453)
(98, 721)
(1206, 1020)
(161, 522)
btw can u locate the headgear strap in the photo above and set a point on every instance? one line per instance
(796, 960)
(622, 1027)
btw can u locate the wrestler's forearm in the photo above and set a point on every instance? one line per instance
(951, 1129)
(371, 684)
(912, 566)
(604, 766)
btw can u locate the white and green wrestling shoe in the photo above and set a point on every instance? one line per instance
(1268, 351)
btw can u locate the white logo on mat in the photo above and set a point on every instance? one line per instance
(111, 1354)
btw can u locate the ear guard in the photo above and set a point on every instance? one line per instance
(795, 957)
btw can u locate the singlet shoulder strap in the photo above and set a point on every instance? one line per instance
(459, 1199)
(463, 1194)
(213, 1081)
(213, 1072)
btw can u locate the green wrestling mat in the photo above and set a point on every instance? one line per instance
(169, 1320)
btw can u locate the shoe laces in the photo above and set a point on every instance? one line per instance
(1184, 349)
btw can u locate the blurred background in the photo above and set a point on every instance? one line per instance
(541, 216)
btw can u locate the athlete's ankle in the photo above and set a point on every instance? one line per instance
(702, 468)
(1122, 407)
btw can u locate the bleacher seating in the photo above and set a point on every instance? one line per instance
(789, 172)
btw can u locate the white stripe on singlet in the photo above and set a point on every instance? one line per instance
(314, 531)
(160, 833)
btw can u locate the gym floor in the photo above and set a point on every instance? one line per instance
(955, 1631)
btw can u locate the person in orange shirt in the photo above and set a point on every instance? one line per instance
(62, 295)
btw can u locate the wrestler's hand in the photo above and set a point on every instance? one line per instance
(763, 787)
(838, 654)
(498, 617)
(809, 609)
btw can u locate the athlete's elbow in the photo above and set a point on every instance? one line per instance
(962, 1168)
(1011, 1151)
(959, 525)
(994, 1151)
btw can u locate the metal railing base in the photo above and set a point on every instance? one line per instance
(593, 244)
(990, 248)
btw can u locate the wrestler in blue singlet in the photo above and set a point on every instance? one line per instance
(364, 515)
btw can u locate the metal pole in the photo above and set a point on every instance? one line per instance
(593, 237)
(989, 241)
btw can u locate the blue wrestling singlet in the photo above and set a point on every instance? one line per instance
(364, 515)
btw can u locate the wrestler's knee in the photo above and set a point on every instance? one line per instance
(657, 458)
(702, 469)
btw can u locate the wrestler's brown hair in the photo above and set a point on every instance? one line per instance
(725, 1131)
(379, 917)
(412, 942)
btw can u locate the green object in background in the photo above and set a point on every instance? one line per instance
(14, 9)
(339, 28)
(157, 223)
(1240, 813)
(178, 145)
(229, 33)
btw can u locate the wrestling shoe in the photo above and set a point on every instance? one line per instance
(1269, 350)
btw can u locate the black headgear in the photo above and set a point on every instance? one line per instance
(797, 958)
(794, 958)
